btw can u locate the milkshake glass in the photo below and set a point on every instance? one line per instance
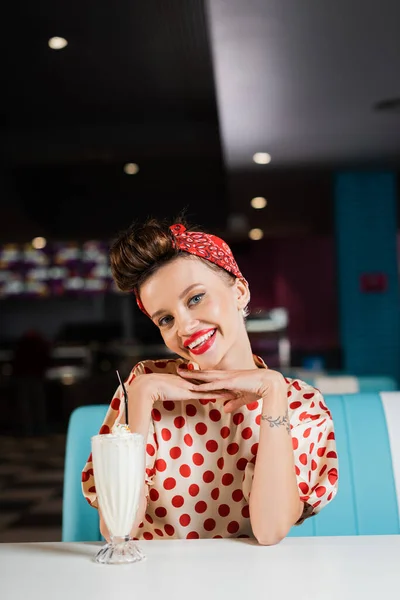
(118, 465)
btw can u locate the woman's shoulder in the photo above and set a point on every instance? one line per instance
(161, 365)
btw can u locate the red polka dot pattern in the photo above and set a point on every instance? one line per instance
(200, 460)
(155, 413)
(212, 445)
(161, 465)
(252, 406)
(227, 479)
(201, 428)
(215, 415)
(237, 495)
(178, 501)
(241, 464)
(225, 432)
(179, 422)
(233, 527)
(169, 530)
(208, 476)
(166, 434)
(209, 524)
(193, 535)
(150, 450)
(169, 405)
(238, 418)
(191, 410)
(154, 495)
(184, 520)
(194, 489)
(188, 439)
(175, 452)
(246, 512)
(169, 483)
(232, 448)
(224, 510)
(185, 470)
(115, 404)
(247, 433)
(200, 507)
(215, 494)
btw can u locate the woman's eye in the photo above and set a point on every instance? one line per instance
(196, 299)
(164, 321)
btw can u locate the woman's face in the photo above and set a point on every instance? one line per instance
(197, 310)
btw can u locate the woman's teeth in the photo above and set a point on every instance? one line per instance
(202, 339)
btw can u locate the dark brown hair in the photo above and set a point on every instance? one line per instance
(142, 249)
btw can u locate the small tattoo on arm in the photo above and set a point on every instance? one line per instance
(282, 421)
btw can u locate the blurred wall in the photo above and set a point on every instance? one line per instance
(366, 223)
(298, 274)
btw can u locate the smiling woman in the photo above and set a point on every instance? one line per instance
(233, 448)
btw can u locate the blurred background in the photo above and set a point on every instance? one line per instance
(274, 124)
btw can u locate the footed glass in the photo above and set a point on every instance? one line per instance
(119, 464)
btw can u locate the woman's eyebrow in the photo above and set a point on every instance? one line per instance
(182, 295)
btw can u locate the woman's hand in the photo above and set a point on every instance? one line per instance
(160, 386)
(246, 386)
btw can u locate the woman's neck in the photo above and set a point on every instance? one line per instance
(239, 357)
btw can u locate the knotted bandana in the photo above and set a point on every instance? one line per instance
(204, 245)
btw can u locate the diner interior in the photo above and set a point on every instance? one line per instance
(275, 125)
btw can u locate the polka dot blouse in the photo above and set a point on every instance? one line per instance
(200, 460)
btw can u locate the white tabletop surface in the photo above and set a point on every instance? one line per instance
(320, 568)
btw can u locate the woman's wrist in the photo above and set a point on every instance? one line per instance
(140, 405)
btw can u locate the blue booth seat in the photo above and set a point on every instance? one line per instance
(366, 429)
(342, 383)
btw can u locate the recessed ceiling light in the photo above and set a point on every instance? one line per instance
(39, 242)
(131, 168)
(256, 234)
(262, 158)
(259, 202)
(57, 43)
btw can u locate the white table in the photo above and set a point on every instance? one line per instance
(340, 568)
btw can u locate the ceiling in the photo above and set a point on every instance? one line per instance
(300, 79)
(133, 85)
(189, 91)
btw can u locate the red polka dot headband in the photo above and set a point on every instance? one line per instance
(204, 245)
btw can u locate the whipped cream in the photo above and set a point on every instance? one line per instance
(120, 429)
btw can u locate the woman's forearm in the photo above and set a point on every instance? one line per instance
(140, 405)
(275, 503)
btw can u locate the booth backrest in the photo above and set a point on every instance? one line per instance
(341, 383)
(368, 445)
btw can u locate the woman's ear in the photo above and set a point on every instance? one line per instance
(242, 293)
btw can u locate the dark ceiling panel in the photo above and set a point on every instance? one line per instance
(142, 60)
(135, 83)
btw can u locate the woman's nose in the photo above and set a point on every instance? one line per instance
(186, 324)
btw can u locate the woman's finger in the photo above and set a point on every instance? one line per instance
(217, 385)
(233, 405)
(215, 395)
(203, 375)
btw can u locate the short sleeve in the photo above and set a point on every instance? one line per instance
(314, 447)
(116, 414)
